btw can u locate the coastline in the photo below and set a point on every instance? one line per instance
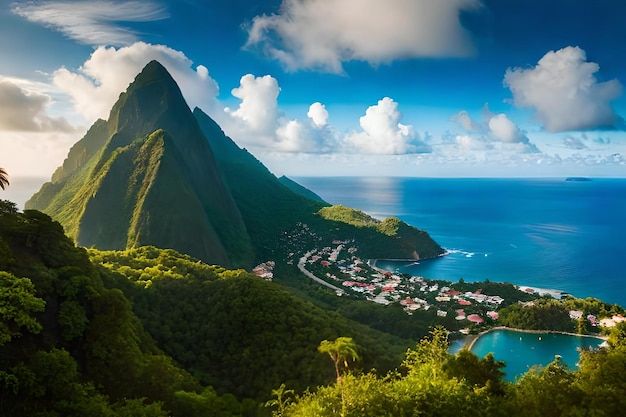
(477, 336)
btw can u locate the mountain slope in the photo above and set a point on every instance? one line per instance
(299, 189)
(153, 181)
(273, 209)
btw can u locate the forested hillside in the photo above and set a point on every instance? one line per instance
(69, 346)
(233, 330)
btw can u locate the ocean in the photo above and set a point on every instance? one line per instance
(546, 233)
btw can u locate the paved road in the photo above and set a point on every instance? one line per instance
(313, 277)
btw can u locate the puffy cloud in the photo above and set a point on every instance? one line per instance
(96, 85)
(505, 130)
(318, 114)
(322, 34)
(564, 92)
(93, 22)
(383, 134)
(259, 123)
(494, 135)
(22, 110)
(258, 108)
(295, 136)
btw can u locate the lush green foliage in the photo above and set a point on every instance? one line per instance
(433, 382)
(71, 347)
(231, 329)
(549, 314)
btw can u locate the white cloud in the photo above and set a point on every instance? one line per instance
(96, 85)
(382, 132)
(295, 136)
(22, 110)
(564, 92)
(318, 114)
(92, 22)
(505, 130)
(259, 123)
(322, 34)
(471, 143)
(258, 109)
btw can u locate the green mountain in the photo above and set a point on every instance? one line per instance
(147, 176)
(273, 208)
(157, 174)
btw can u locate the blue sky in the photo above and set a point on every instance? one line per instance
(455, 88)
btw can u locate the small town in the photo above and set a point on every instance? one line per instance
(338, 267)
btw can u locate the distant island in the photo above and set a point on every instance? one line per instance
(580, 179)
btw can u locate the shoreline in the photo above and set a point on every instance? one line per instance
(477, 336)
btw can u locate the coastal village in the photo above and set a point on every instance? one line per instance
(338, 267)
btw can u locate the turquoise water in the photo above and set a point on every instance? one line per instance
(522, 350)
(547, 233)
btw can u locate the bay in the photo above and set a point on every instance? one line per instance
(522, 350)
(547, 233)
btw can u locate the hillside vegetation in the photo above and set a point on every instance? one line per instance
(432, 382)
(231, 329)
(69, 346)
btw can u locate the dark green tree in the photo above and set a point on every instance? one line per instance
(18, 304)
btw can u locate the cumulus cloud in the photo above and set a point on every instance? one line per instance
(258, 109)
(22, 110)
(92, 22)
(564, 92)
(322, 34)
(318, 114)
(96, 85)
(382, 132)
(494, 133)
(258, 121)
(505, 130)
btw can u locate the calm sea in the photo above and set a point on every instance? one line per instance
(547, 233)
(521, 351)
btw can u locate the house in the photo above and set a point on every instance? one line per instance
(475, 318)
(493, 315)
(592, 319)
(575, 314)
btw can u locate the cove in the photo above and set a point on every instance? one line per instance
(523, 350)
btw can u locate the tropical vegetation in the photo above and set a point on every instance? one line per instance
(4, 178)
(151, 332)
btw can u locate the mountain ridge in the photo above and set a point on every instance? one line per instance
(151, 103)
(156, 173)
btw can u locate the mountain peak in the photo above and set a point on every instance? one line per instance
(153, 71)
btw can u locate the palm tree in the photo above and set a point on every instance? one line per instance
(340, 350)
(4, 178)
